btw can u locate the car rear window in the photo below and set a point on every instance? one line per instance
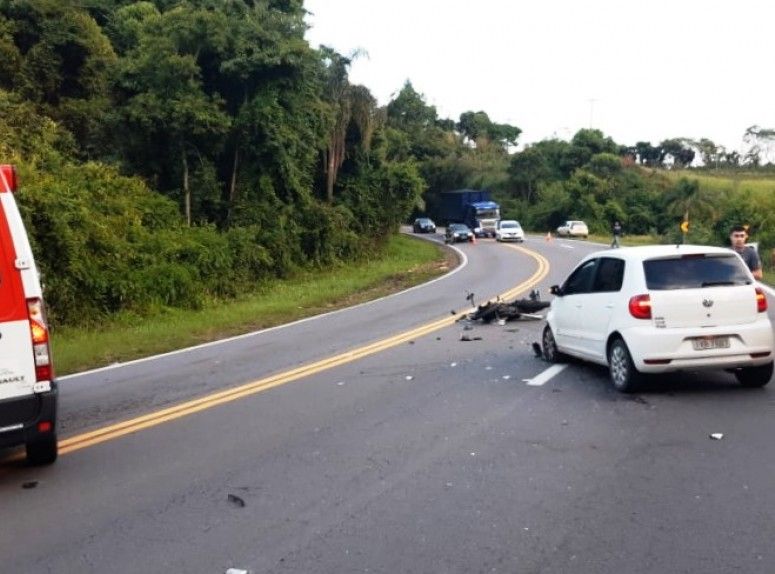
(695, 271)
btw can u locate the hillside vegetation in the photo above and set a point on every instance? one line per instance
(178, 152)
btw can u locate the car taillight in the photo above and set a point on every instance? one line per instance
(44, 370)
(640, 306)
(761, 300)
(8, 174)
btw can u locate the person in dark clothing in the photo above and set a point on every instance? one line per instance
(737, 237)
(617, 232)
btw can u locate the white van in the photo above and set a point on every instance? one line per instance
(28, 391)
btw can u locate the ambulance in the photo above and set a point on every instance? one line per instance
(28, 391)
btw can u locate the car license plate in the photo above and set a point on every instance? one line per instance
(707, 343)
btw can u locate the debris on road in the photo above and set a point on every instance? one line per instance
(30, 484)
(537, 350)
(464, 337)
(409, 377)
(517, 309)
(453, 364)
(717, 435)
(236, 571)
(236, 500)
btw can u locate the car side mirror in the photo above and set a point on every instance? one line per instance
(556, 290)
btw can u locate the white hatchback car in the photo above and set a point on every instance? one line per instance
(662, 308)
(573, 229)
(509, 230)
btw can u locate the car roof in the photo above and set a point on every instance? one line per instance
(643, 252)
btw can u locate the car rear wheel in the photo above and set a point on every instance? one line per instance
(754, 376)
(625, 377)
(549, 347)
(42, 450)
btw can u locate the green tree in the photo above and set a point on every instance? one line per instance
(526, 169)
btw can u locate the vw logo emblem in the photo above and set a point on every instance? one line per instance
(707, 302)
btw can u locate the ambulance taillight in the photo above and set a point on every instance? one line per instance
(44, 369)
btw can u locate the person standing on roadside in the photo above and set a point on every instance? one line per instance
(617, 233)
(737, 237)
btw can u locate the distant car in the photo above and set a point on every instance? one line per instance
(573, 229)
(509, 230)
(424, 225)
(458, 232)
(662, 308)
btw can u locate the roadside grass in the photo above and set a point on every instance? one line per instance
(726, 181)
(405, 262)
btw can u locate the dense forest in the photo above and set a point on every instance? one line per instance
(177, 151)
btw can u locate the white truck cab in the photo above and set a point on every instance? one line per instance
(28, 391)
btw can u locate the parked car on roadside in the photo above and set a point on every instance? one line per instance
(509, 230)
(458, 232)
(573, 229)
(662, 308)
(423, 225)
(28, 390)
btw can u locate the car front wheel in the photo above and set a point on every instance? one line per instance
(625, 377)
(549, 347)
(754, 376)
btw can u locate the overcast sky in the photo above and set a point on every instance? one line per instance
(644, 70)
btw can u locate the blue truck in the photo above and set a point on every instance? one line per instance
(473, 207)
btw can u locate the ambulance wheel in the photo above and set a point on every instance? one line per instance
(42, 450)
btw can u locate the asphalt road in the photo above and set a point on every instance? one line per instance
(421, 453)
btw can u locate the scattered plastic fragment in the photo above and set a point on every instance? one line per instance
(453, 364)
(409, 377)
(488, 368)
(340, 384)
(236, 500)
(506, 377)
(30, 484)
(501, 322)
(236, 571)
(717, 435)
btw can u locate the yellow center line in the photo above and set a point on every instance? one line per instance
(155, 418)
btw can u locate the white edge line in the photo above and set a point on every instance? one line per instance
(463, 263)
(541, 378)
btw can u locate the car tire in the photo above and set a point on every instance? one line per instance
(549, 347)
(42, 450)
(624, 376)
(754, 376)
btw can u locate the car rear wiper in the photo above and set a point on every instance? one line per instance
(716, 283)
